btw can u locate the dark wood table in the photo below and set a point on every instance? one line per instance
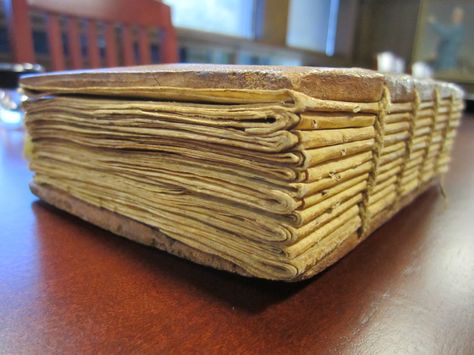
(69, 287)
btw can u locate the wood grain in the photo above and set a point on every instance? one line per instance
(55, 42)
(75, 43)
(93, 49)
(66, 286)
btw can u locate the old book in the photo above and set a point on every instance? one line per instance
(272, 172)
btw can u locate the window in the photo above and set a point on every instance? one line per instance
(230, 17)
(250, 58)
(312, 25)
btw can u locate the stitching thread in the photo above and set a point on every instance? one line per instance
(379, 125)
(437, 100)
(408, 145)
(443, 148)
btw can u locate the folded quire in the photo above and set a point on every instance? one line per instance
(272, 172)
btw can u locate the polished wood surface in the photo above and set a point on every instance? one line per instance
(69, 287)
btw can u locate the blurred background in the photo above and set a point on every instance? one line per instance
(428, 38)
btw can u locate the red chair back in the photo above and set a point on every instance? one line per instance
(135, 17)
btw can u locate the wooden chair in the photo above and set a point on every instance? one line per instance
(134, 16)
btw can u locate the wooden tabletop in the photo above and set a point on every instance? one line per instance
(69, 287)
